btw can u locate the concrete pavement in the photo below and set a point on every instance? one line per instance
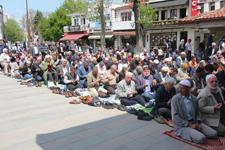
(34, 119)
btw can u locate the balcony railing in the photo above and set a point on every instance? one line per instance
(165, 22)
(74, 28)
(123, 25)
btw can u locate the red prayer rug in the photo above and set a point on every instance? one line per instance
(211, 144)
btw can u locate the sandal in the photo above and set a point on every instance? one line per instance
(75, 102)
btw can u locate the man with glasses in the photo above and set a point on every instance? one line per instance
(212, 105)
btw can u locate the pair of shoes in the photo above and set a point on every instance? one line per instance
(121, 107)
(144, 116)
(160, 119)
(75, 101)
(108, 106)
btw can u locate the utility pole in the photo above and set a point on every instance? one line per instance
(28, 27)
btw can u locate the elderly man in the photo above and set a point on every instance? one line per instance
(187, 124)
(163, 98)
(82, 72)
(71, 79)
(49, 69)
(212, 105)
(93, 80)
(4, 61)
(127, 93)
(110, 79)
(145, 84)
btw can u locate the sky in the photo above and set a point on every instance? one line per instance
(17, 8)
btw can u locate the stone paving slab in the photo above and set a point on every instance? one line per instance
(34, 119)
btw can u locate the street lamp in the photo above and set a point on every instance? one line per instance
(28, 26)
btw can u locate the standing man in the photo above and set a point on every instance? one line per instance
(188, 48)
(212, 105)
(187, 124)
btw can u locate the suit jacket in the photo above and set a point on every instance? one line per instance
(140, 83)
(206, 103)
(179, 115)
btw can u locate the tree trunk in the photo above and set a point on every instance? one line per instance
(138, 27)
(102, 19)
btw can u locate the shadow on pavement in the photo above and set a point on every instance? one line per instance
(121, 132)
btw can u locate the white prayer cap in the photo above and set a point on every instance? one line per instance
(168, 59)
(47, 56)
(185, 82)
(170, 80)
(165, 69)
(209, 76)
(160, 52)
(28, 62)
(5, 50)
(156, 61)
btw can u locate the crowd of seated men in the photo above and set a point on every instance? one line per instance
(179, 88)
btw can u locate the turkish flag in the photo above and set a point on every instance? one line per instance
(194, 7)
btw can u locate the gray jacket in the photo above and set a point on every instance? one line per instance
(123, 88)
(206, 103)
(179, 115)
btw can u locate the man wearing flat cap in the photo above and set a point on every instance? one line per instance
(184, 108)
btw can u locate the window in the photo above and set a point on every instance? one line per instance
(212, 6)
(157, 16)
(173, 14)
(183, 12)
(163, 14)
(83, 21)
(76, 22)
(126, 16)
(222, 4)
(201, 7)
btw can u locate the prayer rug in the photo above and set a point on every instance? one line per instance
(211, 144)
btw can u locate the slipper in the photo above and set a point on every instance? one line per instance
(75, 102)
(160, 119)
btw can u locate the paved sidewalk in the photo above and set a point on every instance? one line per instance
(34, 119)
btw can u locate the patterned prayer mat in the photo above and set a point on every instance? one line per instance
(211, 144)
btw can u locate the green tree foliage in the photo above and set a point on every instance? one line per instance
(52, 27)
(147, 15)
(13, 31)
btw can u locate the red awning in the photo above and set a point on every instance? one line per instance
(73, 37)
(124, 33)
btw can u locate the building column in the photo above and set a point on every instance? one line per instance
(191, 35)
(160, 15)
(147, 41)
(94, 45)
(206, 7)
(178, 39)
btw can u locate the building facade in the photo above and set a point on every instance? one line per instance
(1, 22)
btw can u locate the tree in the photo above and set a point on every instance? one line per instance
(143, 16)
(52, 27)
(12, 31)
(97, 12)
